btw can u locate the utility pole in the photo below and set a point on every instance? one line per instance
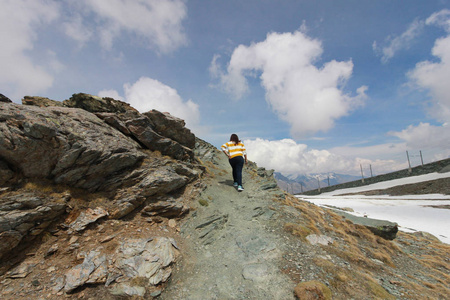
(409, 163)
(421, 158)
(328, 179)
(318, 182)
(362, 174)
(371, 174)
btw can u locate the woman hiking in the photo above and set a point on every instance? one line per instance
(237, 156)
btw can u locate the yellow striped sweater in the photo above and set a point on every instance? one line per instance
(234, 149)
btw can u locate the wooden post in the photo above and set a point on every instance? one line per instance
(371, 174)
(318, 182)
(421, 158)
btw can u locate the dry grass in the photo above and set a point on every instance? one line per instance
(297, 230)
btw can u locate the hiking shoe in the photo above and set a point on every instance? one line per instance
(240, 188)
(235, 184)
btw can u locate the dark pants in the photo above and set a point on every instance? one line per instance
(237, 163)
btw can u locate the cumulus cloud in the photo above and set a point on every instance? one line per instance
(147, 94)
(20, 21)
(425, 136)
(289, 158)
(158, 23)
(434, 76)
(400, 42)
(309, 98)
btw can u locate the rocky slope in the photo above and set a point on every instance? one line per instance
(98, 201)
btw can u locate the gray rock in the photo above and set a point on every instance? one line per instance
(268, 186)
(23, 216)
(22, 270)
(142, 130)
(168, 209)
(315, 239)
(52, 250)
(125, 289)
(92, 270)
(171, 127)
(87, 217)
(147, 259)
(97, 104)
(68, 146)
(385, 229)
(161, 181)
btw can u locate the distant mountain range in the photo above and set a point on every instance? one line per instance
(303, 183)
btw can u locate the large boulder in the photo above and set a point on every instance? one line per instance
(171, 127)
(97, 104)
(69, 146)
(385, 229)
(141, 128)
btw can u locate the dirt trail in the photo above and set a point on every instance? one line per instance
(230, 249)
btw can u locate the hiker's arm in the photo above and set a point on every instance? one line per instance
(226, 153)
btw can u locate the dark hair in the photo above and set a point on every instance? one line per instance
(234, 138)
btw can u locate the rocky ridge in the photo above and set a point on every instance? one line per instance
(89, 162)
(130, 205)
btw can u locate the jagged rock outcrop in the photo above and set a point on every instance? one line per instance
(24, 216)
(149, 259)
(94, 144)
(40, 101)
(172, 127)
(95, 104)
(69, 146)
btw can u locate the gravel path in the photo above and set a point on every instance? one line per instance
(231, 252)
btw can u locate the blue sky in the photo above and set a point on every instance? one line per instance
(309, 86)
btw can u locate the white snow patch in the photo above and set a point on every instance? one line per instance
(389, 184)
(410, 212)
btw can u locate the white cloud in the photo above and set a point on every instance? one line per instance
(434, 76)
(441, 19)
(75, 29)
(156, 22)
(289, 158)
(426, 136)
(20, 21)
(111, 94)
(309, 98)
(401, 42)
(147, 94)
